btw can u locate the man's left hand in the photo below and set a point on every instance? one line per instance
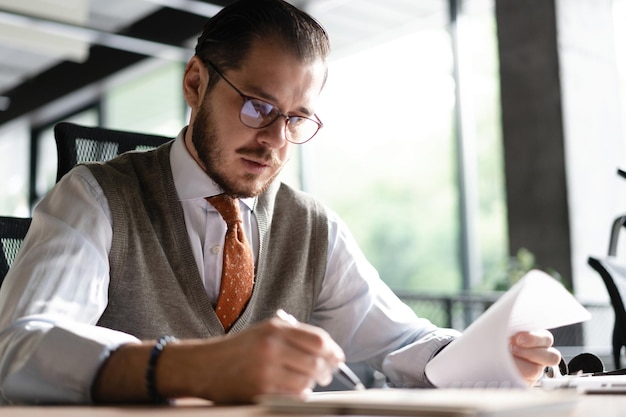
(533, 352)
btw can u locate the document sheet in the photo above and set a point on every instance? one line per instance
(428, 402)
(480, 357)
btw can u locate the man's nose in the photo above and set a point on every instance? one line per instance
(275, 135)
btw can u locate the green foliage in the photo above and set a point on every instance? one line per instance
(515, 269)
(410, 240)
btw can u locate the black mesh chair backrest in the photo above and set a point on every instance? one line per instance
(77, 144)
(12, 233)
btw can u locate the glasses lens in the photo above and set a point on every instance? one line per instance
(301, 129)
(256, 113)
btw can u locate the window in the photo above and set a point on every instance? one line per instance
(619, 17)
(386, 159)
(150, 103)
(480, 110)
(389, 138)
(14, 169)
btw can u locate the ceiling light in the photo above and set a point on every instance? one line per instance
(42, 30)
(68, 11)
(43, 42)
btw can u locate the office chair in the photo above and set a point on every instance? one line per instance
(12, 233)
(613, 274)
(614, 277)
(77, 144)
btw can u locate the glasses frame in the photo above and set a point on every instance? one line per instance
(279, 113)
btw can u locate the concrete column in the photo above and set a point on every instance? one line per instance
(533, 135)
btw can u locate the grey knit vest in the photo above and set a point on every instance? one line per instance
(155, 287)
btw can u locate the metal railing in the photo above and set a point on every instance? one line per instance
(459, 310)
(449, 310)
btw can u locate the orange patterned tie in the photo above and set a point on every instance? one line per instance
(238, 265)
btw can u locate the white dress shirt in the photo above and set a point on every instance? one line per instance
(56, 290)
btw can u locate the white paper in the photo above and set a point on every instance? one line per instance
(480, 357)
(425, 402)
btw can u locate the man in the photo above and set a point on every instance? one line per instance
(122, 253)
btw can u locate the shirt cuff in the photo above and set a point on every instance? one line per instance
(405, 368)
(63, 364)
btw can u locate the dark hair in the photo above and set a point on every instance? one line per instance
(227, 37)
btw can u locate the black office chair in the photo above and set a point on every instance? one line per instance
(613, 274)
(12, 233)
(77, 144)
(614, 277)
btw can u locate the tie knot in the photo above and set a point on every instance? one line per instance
(228, 207)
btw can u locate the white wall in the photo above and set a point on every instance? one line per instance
(594, 133)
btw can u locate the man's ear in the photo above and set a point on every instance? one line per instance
(195, 82)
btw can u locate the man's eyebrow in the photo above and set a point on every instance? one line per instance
(263, 95)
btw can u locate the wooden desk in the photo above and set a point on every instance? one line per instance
(589, 406)
(187, 408)
(600, 406)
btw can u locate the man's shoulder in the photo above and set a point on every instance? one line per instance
(292, 195)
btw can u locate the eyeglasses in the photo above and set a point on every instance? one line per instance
(257, 114)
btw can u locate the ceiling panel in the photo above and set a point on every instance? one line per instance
(114, 15)
(20, 62)
(354, 24)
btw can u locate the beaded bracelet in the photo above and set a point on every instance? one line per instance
(151, 370)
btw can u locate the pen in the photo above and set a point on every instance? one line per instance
(343, 372)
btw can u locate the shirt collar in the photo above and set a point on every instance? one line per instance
(190, 180)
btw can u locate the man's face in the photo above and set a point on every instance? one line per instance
(243, 161)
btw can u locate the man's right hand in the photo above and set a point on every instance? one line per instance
(270, 357)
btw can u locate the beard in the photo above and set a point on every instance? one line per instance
(204, 137)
